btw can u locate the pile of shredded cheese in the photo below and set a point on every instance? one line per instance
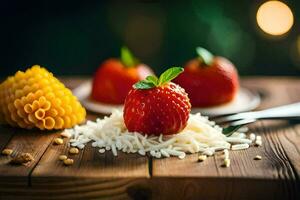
(200, 135)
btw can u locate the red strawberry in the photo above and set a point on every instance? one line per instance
(157, 106)
(209, 80)
(115, 77)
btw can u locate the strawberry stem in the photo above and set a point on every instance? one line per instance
(205, 56)
(153, 81)
(127, 58)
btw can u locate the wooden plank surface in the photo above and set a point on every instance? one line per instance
(93, 175)
(6, 134)
(23, 141)
(280, 156)
(131, 176)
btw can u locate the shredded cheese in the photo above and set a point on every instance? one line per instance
(200, 135)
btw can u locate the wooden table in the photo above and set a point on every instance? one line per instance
(130, 176)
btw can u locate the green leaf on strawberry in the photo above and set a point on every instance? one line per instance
(144, 84)
(127, 57)
(169, 75)
(153, 81)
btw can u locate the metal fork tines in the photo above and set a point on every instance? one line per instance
(231, 118)
(291, 111)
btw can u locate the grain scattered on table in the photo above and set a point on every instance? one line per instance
(7, 152)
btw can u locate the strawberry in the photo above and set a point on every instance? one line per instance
(115, 77)
(209, 80)
(157, 106)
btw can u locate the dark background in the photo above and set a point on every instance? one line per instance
(74, 37)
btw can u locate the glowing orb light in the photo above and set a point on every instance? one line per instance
(274, 18)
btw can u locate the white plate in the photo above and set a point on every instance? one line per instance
(244, 101)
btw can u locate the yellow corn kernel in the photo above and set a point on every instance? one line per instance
(39, 114)
(59, 122)
(21, 113)
(50, 96)
(73, 119)
(67, 121)
(52, 112)
(49, 123)
(46, 106)
(18, 103)
(27, 121)
(11, 107)
(68, 109)
(31, 118)
(66, 99)
(35, 105)
(36, 99)
(56, 101)
(28, 108)
(38, 93)
(29, 98)
(61, 111)
(42, 100)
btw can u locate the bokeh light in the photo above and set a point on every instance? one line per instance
(275, 18)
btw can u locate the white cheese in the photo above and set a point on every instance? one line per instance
(199, 136)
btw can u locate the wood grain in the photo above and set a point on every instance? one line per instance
(89, 163)
(130, 176)
(216, 188)
(280, 157)
(23, 141)
(80, 188)
(93, 175)
(6, 134)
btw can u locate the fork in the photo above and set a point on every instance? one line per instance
(235, 121)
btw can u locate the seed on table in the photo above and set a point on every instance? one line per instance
(258, 137)
(73, 150)
(226, 154)
(182, 156)
(226, 162)
(239, 147)
(68, 161)
(258, 143)
(66, 134)
(252, 137)
(7, 152)
(201, 158)
(58, 141)
(22, 158)
(62, 157)
(101, 150)
(257, 157)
